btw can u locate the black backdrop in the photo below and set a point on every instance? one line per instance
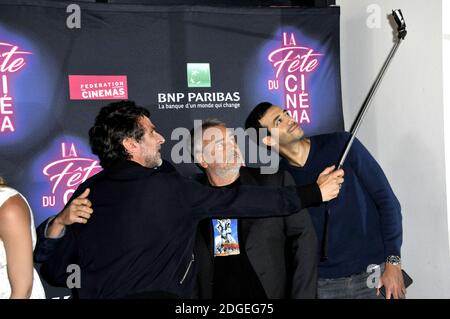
(44, 150)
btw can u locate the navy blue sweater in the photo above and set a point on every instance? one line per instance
(366, 221)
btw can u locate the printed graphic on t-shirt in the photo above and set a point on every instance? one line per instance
(226, 240)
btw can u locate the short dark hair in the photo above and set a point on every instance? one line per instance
(115, 122)
(253, 119)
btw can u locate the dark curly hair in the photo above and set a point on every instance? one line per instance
(114, 123)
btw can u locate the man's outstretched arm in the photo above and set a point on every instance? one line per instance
(77, 210)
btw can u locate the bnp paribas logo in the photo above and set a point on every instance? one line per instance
(198, 75)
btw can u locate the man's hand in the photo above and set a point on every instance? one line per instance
(392, 280)
(78, 211)
(329, 182)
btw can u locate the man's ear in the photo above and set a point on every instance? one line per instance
(130, 145)
(268, 141)
(200, 160)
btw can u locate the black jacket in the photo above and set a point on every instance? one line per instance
(141, 235)
(281, 250)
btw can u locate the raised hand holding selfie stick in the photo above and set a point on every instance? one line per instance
(401, 29)
(398, 17)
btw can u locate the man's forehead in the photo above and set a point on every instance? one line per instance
(216, 132)
(146, 122)
(271, 114)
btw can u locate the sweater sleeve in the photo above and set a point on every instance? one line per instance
(65, 252)
(376, 183)
(45, 245)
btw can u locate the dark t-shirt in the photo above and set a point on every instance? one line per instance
(234, 276)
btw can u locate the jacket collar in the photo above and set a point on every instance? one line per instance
(129, 170)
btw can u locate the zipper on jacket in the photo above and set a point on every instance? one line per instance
(187, 270)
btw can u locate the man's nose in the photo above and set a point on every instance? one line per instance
(161, 139)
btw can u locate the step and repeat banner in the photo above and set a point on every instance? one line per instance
(61, 62)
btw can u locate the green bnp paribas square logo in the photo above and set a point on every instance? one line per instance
(198, 75)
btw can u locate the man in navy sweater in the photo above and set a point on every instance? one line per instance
(139, 239)
(365, 223)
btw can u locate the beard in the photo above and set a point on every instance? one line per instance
(153, 160)
(231, 167)
(228, 171)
